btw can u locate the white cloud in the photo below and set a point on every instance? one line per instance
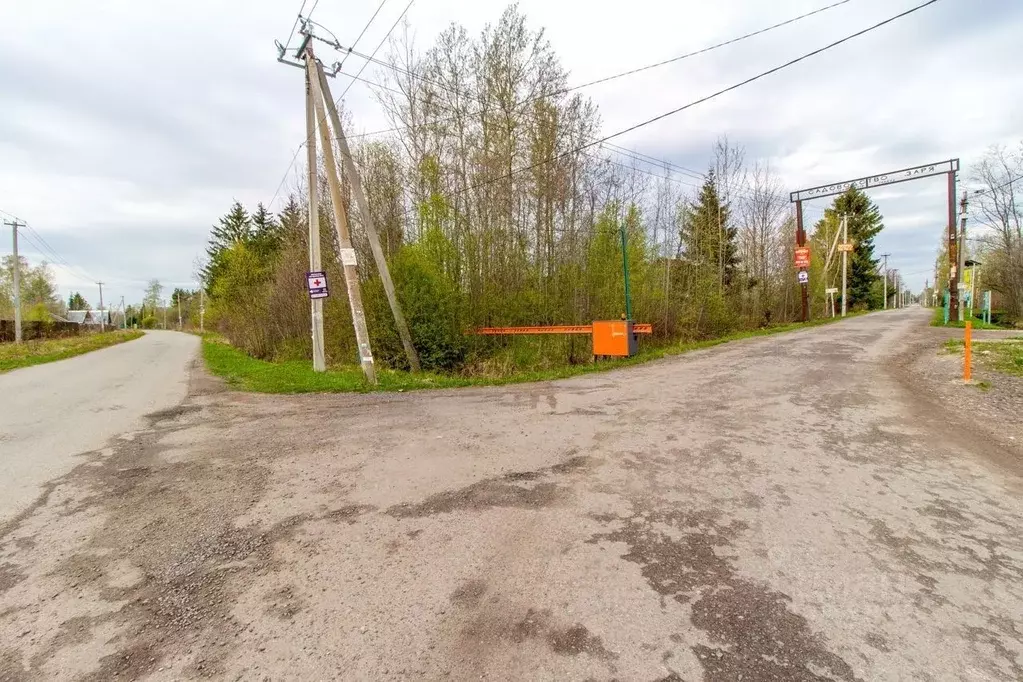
(129, 127)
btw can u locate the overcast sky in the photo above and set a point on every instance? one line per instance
(128, 127)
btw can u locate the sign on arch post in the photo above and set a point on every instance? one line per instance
(948, 168)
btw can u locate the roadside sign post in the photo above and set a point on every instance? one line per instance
(316, 282)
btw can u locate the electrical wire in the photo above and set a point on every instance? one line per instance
(377, 48)
(43, 247)
(372, 58)
(364, 29)
(294, 156)
(694, 103)
(1001, 186)
(604, 79)
(298, 17)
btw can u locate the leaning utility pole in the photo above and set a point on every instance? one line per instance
(14, 224)
(885, 256)
(367, 220)
(845, 262)
(102, 315)
(344, 237)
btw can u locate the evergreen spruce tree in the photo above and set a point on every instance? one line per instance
(234, 228)
(707, 234)
(266, 232)
(865, 223)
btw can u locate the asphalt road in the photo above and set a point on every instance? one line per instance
(796, 507)
(50, 413)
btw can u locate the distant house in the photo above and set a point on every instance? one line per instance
(89, 317)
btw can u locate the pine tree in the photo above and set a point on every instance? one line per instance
(77, 302)
(708, 236)
(865, 223)
(266, 235)
(234, 228)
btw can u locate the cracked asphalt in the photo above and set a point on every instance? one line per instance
(795, 507)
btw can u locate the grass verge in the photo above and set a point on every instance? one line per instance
(246, 373)
(938, 320)
(17, 355)
(1004, 356)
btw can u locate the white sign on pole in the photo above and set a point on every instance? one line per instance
(831, 290)
(942, 168)
(317, 284)
(804, 277)
(348, 257)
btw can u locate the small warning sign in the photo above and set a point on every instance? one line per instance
(803, 257)
(317, 284)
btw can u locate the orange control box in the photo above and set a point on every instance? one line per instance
(614, 338)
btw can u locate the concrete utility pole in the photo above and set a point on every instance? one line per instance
(845, 263)
(344, 237)
(124, 315)
(962, 250)
(14, 224)
(367, 220)
(102, 315)
(179, 311)
(315, 261)
(202, 309)
(885, 256)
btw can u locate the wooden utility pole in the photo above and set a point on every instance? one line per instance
(14, 224)
(953, 251)
(315, 261)
(348, 260)
(845, 263)
(801, 241)
(962, 251)
(367, 220)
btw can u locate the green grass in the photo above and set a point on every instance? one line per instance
(246, 373)
(938, 320)
(1005, 356)
(17, 355)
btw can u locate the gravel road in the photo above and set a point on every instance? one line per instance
(50, 413)
(797, 507)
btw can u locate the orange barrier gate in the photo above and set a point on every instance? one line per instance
(611, 338)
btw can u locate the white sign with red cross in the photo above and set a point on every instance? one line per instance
(317, 283)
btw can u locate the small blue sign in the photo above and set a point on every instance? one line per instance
(317, 284)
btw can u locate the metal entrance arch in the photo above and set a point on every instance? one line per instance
(949, 168)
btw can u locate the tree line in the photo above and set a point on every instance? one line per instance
(488, 217)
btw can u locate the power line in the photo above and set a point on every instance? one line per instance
(364, 29)
(294, 156)
(694, 103)
(604, 79)
(764, 74)
(46, 250)
(298, 17)
(377, 48)
(372, 58)
(1001, 186)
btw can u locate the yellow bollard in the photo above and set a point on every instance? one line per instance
(968, 354)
